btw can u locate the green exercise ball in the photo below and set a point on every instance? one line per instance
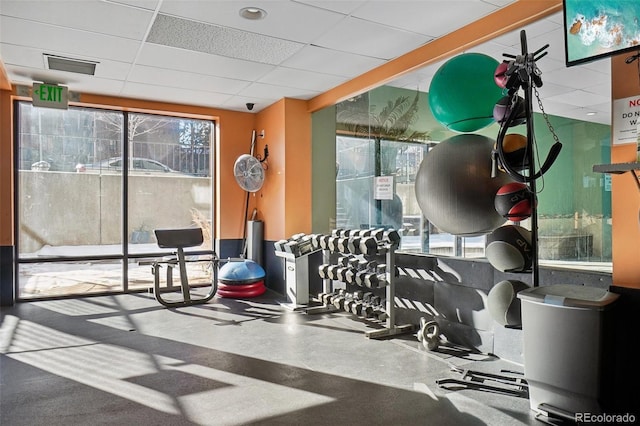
(463, 92)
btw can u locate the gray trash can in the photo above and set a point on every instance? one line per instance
(567, 353)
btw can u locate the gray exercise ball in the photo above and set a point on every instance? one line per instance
(454, 187)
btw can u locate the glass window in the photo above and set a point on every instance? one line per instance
(77, 211)
(388, 131)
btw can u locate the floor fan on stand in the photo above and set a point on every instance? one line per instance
(241, 277)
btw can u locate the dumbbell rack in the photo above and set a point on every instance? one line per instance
(390, 326)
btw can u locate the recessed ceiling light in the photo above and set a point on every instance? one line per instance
(253, 13)
(591, 113)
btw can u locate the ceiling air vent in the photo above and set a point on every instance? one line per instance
(79, 66)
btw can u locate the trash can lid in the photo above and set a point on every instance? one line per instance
(577, 296)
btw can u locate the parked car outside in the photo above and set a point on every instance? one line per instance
(136, 164)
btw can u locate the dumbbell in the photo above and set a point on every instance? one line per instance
(323, 270)
(368, 246)
(332, 271)
(353, 245)
(325, 298)
(279, 245)
(375, 300)
(299, 247)
(348, 305)
(333, 243)
(341, 273)
(350, 275)
(344, 233)
(391, 236)
(339, 301)
(372, 246)
(344, 260)
(357, 308)
(367, 311)
(323, 241)
(377, 233)
(360, 276)
(315, 240)
(362, 273)
(374, 280)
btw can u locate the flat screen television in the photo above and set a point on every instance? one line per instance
(596, 29)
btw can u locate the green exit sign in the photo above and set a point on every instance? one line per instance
(50, 96)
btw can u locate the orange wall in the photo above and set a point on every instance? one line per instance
(625, 196)
(284, 202)
(270, 200)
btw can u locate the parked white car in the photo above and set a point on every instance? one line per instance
(145, 165)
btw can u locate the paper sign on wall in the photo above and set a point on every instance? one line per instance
(626, 118)
(383, 188)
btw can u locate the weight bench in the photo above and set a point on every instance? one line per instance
(179, 239)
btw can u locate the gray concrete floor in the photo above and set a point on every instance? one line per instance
(126, 360)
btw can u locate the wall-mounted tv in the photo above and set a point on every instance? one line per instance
(595, 29)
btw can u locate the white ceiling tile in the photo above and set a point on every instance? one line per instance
(549, 90)
(579, 98)
(172, 94)
(433, 18)
(575, 77)
(600, 89)
(601, 65)
(341, 6)
(269, 91)
(370, 39)
(301, 79)
(285, 19)
(75, 82)
(88, 15)
(143, 4)
(185, 80)
(33, 58)
(329, 61)
(73, 43)
(166, 57)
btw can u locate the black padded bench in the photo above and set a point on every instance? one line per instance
(179, 239)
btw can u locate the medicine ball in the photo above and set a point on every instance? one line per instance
(514, 201)
(499, 76)
(509, 249)
(514, 148)
(462, 92)
(503, 303)
(502, 109)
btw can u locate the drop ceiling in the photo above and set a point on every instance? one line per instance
(204, 53)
